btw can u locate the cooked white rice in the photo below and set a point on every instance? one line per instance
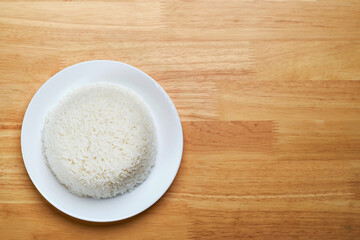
(100, 141)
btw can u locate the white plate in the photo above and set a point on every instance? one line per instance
(168, 127)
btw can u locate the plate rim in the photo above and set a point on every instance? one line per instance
(181, 146)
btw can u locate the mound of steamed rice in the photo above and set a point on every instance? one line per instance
(99, 141)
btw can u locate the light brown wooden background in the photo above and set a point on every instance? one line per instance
(269, 97)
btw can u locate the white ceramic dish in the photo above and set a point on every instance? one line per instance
(168, 127)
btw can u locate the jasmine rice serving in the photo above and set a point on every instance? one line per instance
(100, 141)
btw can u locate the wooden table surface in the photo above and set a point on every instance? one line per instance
(269, 97)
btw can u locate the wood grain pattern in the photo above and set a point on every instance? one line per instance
(269, 97)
